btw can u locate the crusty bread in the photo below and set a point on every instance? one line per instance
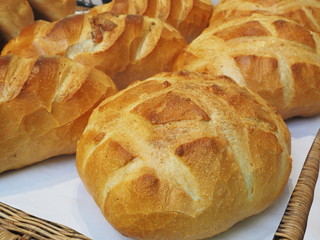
(45, 103)
(273, 56)
(52, 10)
(190, 17)
(183, 156)
(126, 47)
(305, 12)
(14, 15)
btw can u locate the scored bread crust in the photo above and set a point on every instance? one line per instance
(45, 103)
(14, 15)
(189, 17)
(126, 47)
(183, 156)
(53, 10)
(306, 12)
(271, 55)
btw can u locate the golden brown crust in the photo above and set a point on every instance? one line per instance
(53, 10)
(305, 12)
(183, 156)
(273, 56)
(14, 15)
(44, 106)
(190, 17)
(126, 47)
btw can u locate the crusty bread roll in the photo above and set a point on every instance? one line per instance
(14, 15)
(305, 12)
(126, 47)
(45, 103)
(190, 17)
(273, 56)
(183, 156)
(52, 10)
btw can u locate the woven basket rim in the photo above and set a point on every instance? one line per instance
(17, 224)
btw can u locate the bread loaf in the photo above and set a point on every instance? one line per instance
(305, 12)
(45, 103)
(183, 156)
(52, 10)
(273, 56)
(126, 47)
(190, 17)
(14, 15)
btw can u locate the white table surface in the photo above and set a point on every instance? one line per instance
(52, 190)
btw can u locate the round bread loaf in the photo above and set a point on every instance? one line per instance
(183, 156)
(273, 56)
(45, 104)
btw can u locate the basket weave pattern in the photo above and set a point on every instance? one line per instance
(16, 224)
(294, 221)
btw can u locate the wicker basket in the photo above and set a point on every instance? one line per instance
(295, 218)
(16, 224)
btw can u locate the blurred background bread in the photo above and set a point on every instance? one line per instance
(183, 156)
(45, 103)
(274, 56)
(126, 47)
(14, 15)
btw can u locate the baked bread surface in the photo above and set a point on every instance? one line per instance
(126, 47)
(189, 17)
(14, 15)
(45, 103)
(305, 12)
(183, 156)
(273, 56)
